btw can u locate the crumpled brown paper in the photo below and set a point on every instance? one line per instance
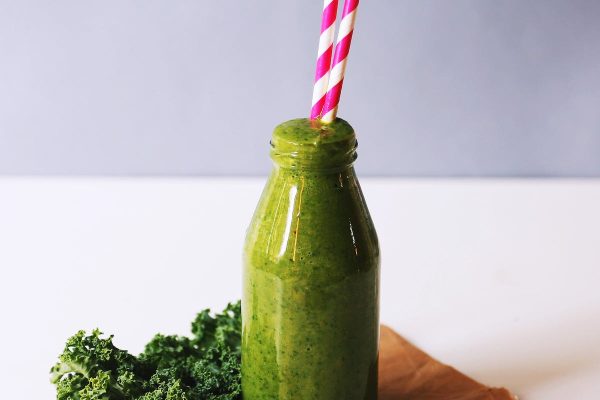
(407, 373)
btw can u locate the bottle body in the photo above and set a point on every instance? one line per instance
(311, 289)
(310, 305)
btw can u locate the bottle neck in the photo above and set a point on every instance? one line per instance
(310, 145)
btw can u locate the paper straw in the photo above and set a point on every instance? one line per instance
(324, 57)
(340, 57)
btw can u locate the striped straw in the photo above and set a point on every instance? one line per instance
(324, 57)
(342, 48)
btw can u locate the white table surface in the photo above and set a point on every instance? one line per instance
(500, 278)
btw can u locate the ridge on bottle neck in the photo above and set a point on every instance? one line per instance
(313, 145)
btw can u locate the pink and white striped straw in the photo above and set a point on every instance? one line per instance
(324, 57)
(342, 48)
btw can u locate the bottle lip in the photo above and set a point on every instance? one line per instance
(312, 144)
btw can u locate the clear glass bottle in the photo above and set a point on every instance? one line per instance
(310, 306)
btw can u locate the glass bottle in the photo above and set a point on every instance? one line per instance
(310, 306)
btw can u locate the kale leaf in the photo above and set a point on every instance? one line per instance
(203, 366)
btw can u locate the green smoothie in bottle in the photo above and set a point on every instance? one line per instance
(311, 273)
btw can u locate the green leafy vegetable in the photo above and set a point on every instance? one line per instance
(203, 366)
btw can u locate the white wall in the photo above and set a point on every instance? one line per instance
(480, 87)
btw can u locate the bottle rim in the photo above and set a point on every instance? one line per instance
(309, 144)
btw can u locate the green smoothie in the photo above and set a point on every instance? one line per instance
(311, 273)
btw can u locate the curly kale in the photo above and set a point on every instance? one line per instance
(203, 366)
(91, 367)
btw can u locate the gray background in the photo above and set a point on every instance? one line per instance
(434, 88)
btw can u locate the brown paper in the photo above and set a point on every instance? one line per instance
(407, 373)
